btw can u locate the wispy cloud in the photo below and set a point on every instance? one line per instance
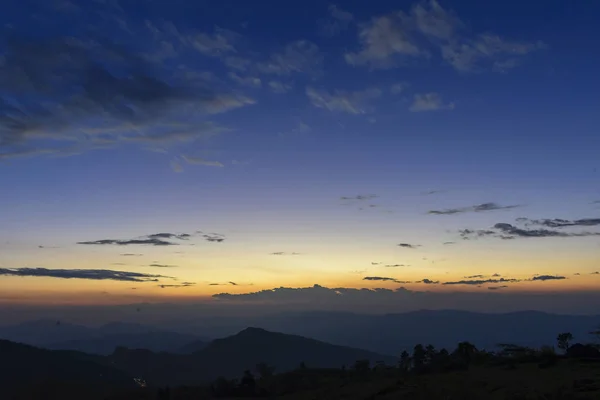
(481, 281)
(162, 265)
(429, 102)
(360, 197)
(497, 287)
(476, 208)
(548, 278)
(301, 56)
(340, 20)
(249, 81)
(180, 285)
(201, 161)
(90, 274)
(399, 37)
(284, 253)
(131, 255)
(88, 106)
(395, 265)
(152, 242)
(358, 102)
(428, 281)
(383, 279)
(279, 87)
(155, 239)
(508, 231)
(561, 223)
(409, 246)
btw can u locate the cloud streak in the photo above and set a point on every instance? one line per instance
(476, 208)
(89, 274)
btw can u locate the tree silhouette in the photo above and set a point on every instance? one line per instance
(248, 380)
(429, 353)
(405, 361)
(362, 366)
(264, 370)
(465, 352)
(563, 340)
(418, 355)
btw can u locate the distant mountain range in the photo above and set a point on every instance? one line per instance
(385, 334)
(393, 333)
(57, 335)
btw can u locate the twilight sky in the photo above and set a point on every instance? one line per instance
(165, 151)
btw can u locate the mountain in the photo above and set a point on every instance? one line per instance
(59, 335)
(231, 356)
(392, 333)
(25, 366)
(153, 341)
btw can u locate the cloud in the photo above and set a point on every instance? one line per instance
(201, 161)
(153, 242)
(394, 39)
(384, 41)
(340, 14)
(448, 243)
(214, 237)
(376, 263)
(476, 208)
(547, 278)
(279, 87)
(176, 166)
(508, 231)
(183, 284)
(481, 281)
(357, 102)
(429, 102)
(250, 81)
(395, 265)
(561, 223)
(409, 246)
(131, 255)
(218, 44)
(340, 21)
(383, 279)
(283, 253)
(301, 56)
(155, 239)
(162, 266)
(497, 287)
(398, 88)
(88, 105)
(467, 55)
(360, 197)
(230, 283)
(428, 282)
(474, 276)
(237, 63)
(91, 274)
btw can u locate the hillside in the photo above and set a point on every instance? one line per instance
(230, 357)
(24, 365)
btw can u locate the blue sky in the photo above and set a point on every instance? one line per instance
(120, 120)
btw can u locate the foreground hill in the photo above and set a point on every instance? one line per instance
(22, 366)
(230, 357)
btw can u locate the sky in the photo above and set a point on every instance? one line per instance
(388, 153)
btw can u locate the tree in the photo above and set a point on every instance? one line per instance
(405, 361)
(563, 340)
(418, 355)
(248, 380)
(264, 370)
(362, 366)
(429, 353)
(465, 351)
